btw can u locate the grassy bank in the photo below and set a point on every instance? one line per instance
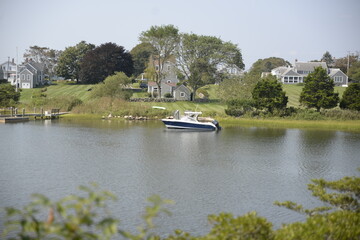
(96, 108)
(353, 125)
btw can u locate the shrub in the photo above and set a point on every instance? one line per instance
(113, 87)
(239, 107)
(338, 114)
(168, 95)
(8, 96)
(308, 114)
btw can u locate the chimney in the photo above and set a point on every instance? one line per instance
(13, 61)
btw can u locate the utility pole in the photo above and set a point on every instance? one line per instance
(348, 64)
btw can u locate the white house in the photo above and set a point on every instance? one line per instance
(8, 71)
(29, 75)
(297, 73)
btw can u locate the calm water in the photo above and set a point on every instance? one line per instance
(236, 170)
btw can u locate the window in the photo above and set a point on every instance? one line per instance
(168, 81)
(168, 68)
(28, 77)
(182, 94)
(338, 79)
(22, 76)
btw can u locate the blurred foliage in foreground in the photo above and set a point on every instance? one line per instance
(88, 217)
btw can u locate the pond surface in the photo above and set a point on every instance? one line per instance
(237, 170)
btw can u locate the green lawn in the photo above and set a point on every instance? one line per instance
(82, 92)
(293, 93)
(76, 90)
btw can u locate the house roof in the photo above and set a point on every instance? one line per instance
(182, 86)
(280, 70)
(334, 71)
(309, 66)
(171, 84)
(8, 62)
(37, 66)
(290, 72)
(25, 70)
(152, 84)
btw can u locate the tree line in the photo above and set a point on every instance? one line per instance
(254, 95)
(196, 58)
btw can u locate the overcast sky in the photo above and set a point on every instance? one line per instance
(290, 29)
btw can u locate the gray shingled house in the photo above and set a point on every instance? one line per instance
(297, 73)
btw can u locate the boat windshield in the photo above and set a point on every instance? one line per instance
(192, 115)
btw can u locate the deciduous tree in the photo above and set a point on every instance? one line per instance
(318, 91)
(199, 56)
(351, 97)
(345, 62)
(113, 86)
(48, 57)
(141, 54)
(164, 39)
(238, 87)
(70, 59)
(104, 61)
(266, 65)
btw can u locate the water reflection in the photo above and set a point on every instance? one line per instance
(236, 170)
(314, 149)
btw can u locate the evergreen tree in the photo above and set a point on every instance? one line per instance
(351, 97)
(318, 91)
(268, 94)
(327, 58)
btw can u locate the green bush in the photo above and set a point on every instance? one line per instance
(168, 95)
(113, 86)
(239, 107)
(8, 96)
(338, 114)
(308, 114)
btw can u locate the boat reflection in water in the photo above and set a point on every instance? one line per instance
(190, 121)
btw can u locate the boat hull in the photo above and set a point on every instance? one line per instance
(178, 124)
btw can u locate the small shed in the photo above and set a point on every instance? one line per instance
(182, 93)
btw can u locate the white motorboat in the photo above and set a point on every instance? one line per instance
(190, 121)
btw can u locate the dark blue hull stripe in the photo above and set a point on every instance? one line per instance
(186, 125)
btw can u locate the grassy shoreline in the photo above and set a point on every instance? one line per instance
(349, 125)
